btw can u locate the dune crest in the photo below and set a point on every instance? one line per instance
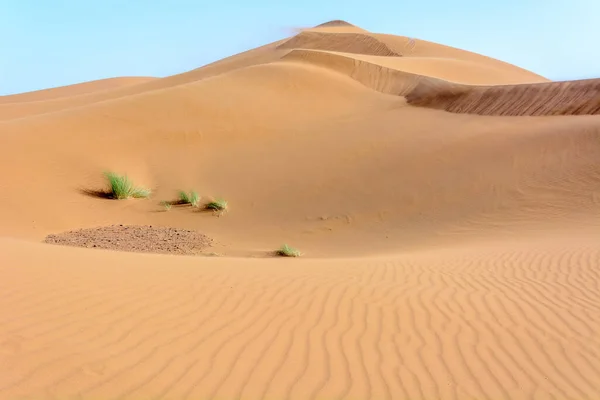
(343, 42)
(551, 98)
(448, 251)
(74, 90)
(335, 22)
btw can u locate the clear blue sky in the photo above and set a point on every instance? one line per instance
(49, 43)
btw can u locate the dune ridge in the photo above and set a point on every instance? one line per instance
(414, 47)
(344, 42)
(374, 76)
(335, 22)
(535, 99)
(75, 89)
(449, 251)
(12, 111)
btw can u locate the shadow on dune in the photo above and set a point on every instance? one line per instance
(99, 194)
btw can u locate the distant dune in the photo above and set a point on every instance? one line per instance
(445, 204)
(74, 90)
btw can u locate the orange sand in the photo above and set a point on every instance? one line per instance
(448, 255)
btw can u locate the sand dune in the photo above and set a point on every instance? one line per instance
(373, 73)
(74, 90)
(449, 69)
(553, 98)
(335, 26)
(401, 78)
(413, 47)
(447, 254)
(336, 23)
(260, 55)
(344, 42)
(412, 55)
(408, 47)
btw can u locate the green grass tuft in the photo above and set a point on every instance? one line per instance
(166, 204)
(189, 198)
(287, 251)
(120, 187)
(217, 205)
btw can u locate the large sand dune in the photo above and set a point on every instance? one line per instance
(448, 254)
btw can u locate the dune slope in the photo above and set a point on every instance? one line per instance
(82, 95)
(553, 98)
(447, 254)
(73, 90)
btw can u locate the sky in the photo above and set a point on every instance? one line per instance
(50, 43)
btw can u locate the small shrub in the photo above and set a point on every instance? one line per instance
(120, 187)
(167, 205)
(217, 205)
(189, 198)
(287, 251)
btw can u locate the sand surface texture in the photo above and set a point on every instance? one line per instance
(447, 206)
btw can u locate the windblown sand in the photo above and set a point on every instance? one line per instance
(447, 205)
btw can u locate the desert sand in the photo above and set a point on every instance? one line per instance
(447, 206)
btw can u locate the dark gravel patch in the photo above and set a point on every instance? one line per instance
(135, 238)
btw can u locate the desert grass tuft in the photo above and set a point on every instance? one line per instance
(167, 205)
(120, 187)
(189, 198)
(287, 251)
(217, 205)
